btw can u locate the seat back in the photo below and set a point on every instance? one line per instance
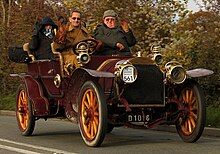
(57, 55)
(26, 48)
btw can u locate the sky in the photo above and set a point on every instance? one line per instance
(192, 5)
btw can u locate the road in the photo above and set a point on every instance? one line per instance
(63, 137)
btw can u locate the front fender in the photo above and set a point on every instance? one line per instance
(79, 77)
(96, 73)
(199, 72)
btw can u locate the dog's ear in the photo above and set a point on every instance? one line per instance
(61, 32)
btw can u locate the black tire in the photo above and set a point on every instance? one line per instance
(24, 114)
(110, 128)
(92, 114)
(191, 123)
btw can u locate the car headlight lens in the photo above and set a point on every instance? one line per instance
(176, 74)
(158, 58)
(83, 58)
(126, 73)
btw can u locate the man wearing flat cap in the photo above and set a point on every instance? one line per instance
(117, 39)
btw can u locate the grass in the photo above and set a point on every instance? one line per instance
(212, 112)
(213, 116)
(8, 102)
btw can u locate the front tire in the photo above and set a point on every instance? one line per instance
(92, 110)
(191, 123)
(110, 128)
(24, 114)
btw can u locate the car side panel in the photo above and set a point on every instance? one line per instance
(35, 94)
(46, 70)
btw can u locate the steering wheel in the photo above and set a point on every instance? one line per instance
(87, 45)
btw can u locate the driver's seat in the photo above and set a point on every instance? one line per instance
(57, 55)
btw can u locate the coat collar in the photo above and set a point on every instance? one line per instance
(70, 28)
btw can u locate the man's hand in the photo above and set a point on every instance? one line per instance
(100, 45)
(120, 46)
(36, 29)
(124, 24)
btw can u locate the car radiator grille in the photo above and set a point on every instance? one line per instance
(148, 89)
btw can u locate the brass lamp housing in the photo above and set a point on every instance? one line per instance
(83, 58)
(125, 72)
(175, 72)
(57, 80)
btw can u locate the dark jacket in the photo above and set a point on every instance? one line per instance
(110, 37)
(40, 45)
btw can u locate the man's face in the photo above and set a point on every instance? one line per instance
(75, 19)
(110, 22)
(48, 27)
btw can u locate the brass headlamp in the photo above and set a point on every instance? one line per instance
(155, 55)
(82, 50)
(175, 72)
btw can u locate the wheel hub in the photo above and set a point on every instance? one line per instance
(88, 113)
(21, 109)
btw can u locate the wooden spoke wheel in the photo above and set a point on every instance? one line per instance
(25, 118)
(191, 123)
(92, 114)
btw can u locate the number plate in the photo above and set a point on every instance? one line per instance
(128, 75)
(138, 118)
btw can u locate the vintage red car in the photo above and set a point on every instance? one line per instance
(112, 91)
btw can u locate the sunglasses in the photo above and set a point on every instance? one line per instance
(75, 18)
(109, 19)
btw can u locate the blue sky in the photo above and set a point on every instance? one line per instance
(192, 5)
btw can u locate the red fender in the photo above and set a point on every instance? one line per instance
(41, 105)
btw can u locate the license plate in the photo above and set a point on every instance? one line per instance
(138, 118)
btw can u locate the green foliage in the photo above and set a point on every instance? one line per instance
(8, 102)
(213, 116)
(196, 45)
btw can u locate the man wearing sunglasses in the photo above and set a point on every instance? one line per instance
(69, 35)
(74, 32)
(117, 39)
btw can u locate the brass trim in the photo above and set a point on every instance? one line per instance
(60, 58)
(105, 63)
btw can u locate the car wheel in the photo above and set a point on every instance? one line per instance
(110, 128)
(92, 110)
(191, 123)
(25, 118)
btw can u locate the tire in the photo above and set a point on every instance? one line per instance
(191, 123)
(110, 128)
(92, 114)
(24, 114)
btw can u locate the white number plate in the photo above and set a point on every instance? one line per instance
(128, 75)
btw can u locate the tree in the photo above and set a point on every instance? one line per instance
(197, 44)
(151, 20)
(212, 6)
(17, 30)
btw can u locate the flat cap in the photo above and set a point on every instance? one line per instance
(110, 13)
